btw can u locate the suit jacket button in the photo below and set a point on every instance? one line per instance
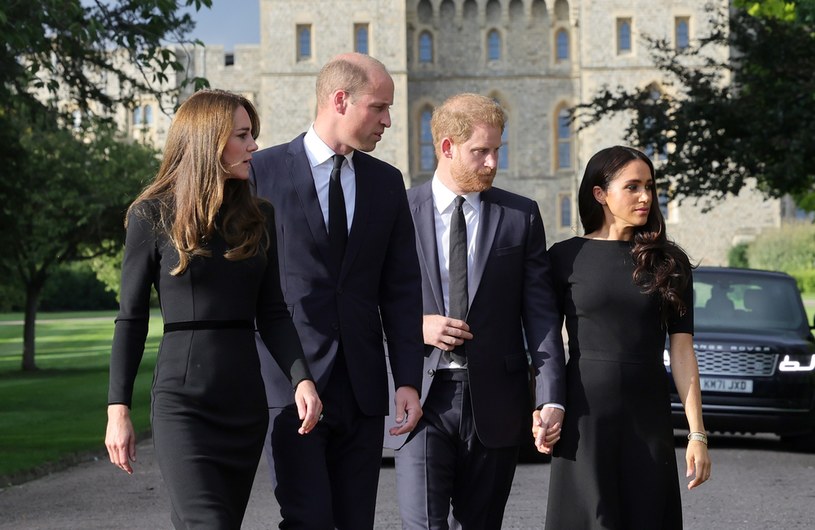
(335, 326)
(339, 290)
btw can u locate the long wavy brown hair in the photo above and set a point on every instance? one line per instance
(660, 265)
(191, 190)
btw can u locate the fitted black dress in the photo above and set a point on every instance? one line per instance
(615, 464)
(209, 411)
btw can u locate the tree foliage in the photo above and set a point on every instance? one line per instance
(63, 48)
(789, 248)
(65, 189)
(748, 112)
(65, 201)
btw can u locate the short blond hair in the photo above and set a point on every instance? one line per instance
(348, 72)
(460, 114)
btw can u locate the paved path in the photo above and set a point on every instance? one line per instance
(95, 496)
(756, 485)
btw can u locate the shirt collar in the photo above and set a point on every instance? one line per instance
(318, 152)
(443, 197)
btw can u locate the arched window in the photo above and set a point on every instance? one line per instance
(137, 116)
(656, 152)
(303, 42)
(470, 10)
(427, 152)
(562, 45)
(562, 10)
(503, 153)
(565, 209)
(425, 47)
(564, 140)
(425, 11)
(516, 10)
(623, 35)
(493, 45)
(682, 32)
(447, 13)
(361, 38)
(664, 202)
(493, 12)
(148, 115)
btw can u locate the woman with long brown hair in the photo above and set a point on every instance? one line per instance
(207, 244)
(621, 287)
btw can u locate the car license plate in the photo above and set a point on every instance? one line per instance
(720, 384)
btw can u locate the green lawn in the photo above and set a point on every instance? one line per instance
(58, 413)
(809, 304)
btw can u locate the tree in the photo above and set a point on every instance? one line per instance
(65, 190)
(732, 116)
(65, 202)
(63, 48)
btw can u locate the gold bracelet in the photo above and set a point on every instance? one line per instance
(698, 436)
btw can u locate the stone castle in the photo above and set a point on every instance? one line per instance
(536, 57)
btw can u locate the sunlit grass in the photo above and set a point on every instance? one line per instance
(59, 411)
(809, 304)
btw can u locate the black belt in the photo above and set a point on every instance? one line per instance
(454, 374)
(208, 324)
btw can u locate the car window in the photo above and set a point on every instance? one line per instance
(742, 301)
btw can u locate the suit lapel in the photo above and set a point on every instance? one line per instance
(424, 219)
(491, 213)
(303, 182)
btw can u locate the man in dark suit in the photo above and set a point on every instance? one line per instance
(349, 271)
(475, 393)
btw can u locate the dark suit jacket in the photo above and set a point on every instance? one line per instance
(378, 287)
(513, 306)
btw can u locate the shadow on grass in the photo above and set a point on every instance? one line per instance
(64, 462)
(55, 417)
(49, 373)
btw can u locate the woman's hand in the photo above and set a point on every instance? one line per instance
(698, 463)
(309, 406)
(120, 439)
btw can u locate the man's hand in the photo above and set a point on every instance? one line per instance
(408, 410)
(546, 426)
(445, 333)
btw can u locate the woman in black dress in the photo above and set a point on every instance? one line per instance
(207, 244)
(621, 287)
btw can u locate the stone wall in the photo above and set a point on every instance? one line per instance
(527, 77)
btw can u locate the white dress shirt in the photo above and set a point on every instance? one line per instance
(443, 200)
(320, 158)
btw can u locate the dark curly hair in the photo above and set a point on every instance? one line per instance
(660, 265)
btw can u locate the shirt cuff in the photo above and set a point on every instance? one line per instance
(553, 406)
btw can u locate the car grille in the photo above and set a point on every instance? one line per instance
(736, 363)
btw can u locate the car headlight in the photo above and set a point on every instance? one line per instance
(797, 363)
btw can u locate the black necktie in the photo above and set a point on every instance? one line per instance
(337, 219)
(459, 297)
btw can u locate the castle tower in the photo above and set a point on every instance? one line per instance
(538, 58)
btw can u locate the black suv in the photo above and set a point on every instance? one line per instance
(756, 355)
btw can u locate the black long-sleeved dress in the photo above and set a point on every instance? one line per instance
(209, 412)
(615, 464)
